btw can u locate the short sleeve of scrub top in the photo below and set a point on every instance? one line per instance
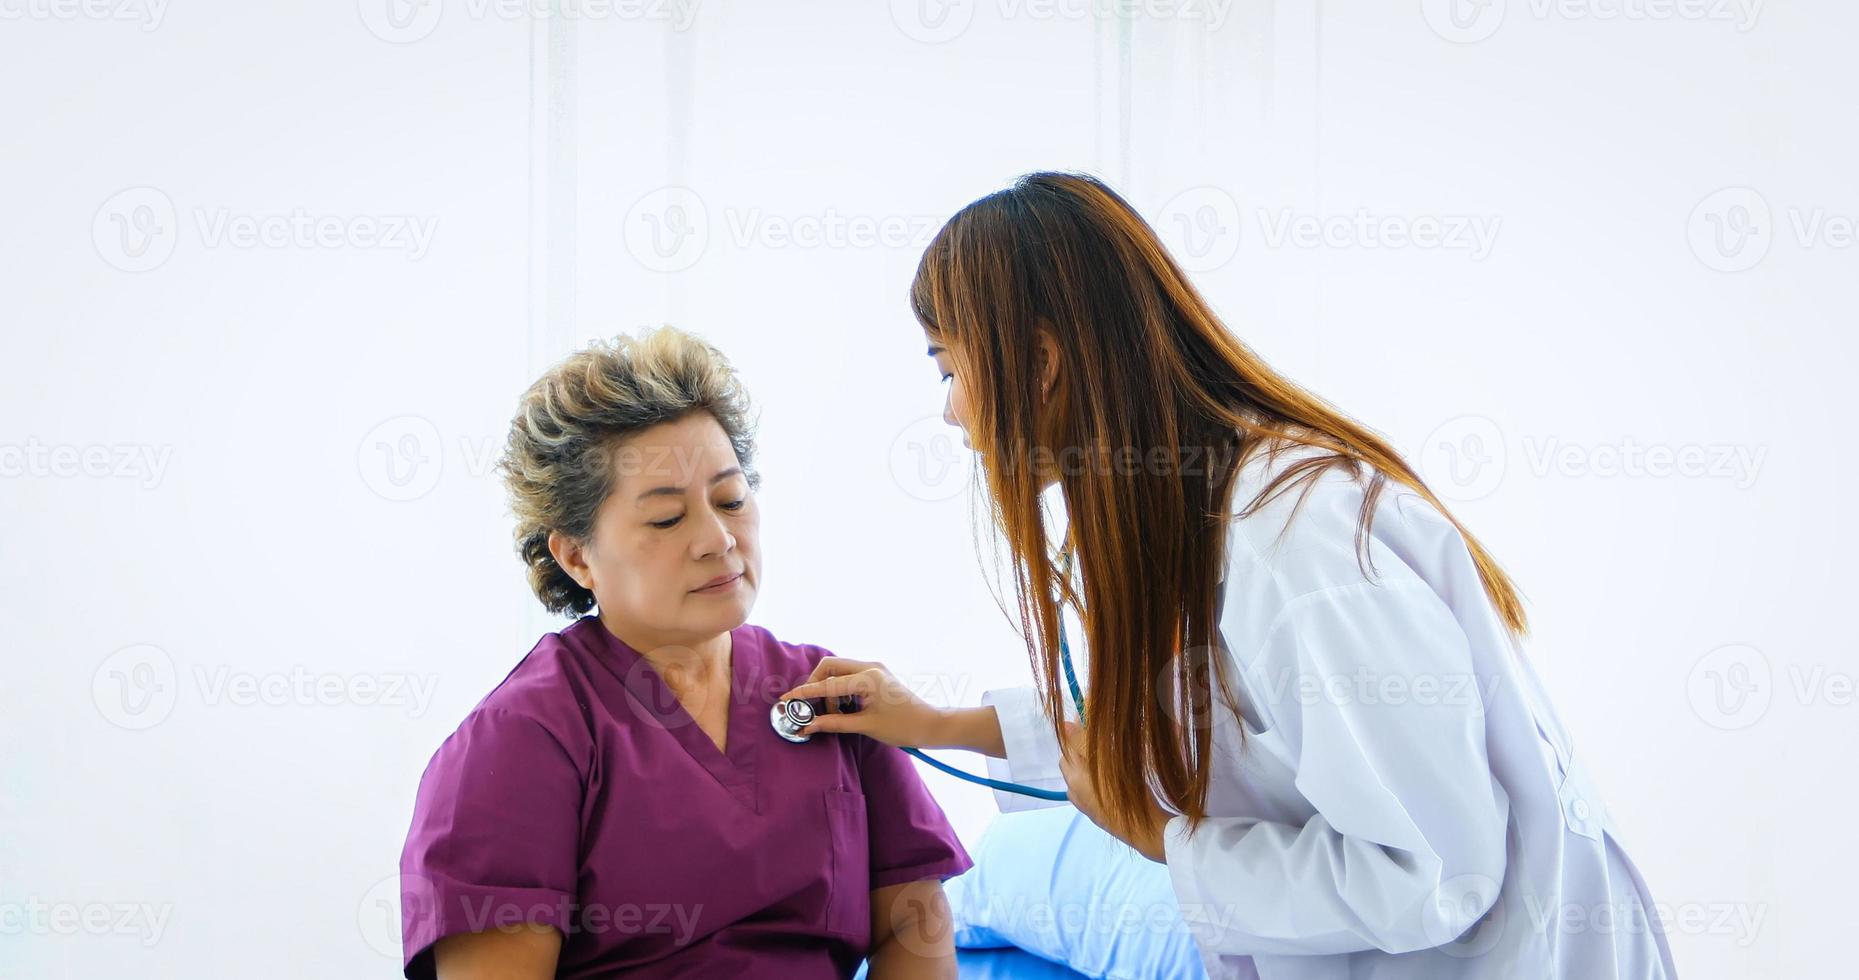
(496, 819)
(582, 795)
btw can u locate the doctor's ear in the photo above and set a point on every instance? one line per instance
(1047, 360)
(572, 557)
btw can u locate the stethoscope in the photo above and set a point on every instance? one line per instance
(791, 719)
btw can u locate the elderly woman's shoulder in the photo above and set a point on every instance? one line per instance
(547, 690)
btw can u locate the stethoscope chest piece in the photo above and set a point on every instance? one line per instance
(791, 718)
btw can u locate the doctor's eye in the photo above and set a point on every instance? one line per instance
(666, 524)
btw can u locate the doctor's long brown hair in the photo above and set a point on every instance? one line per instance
(1144, 366)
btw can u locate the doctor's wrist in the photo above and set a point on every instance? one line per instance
(974, 729)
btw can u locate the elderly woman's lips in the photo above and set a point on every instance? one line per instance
(723, 586)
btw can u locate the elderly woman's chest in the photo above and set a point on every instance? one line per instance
(756, 828)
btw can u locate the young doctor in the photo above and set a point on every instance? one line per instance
(1306, 694)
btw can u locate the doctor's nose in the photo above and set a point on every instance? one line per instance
(949, 416)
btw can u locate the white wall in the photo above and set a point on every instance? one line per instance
(305, 428)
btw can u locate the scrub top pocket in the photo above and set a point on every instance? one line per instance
(848, 903)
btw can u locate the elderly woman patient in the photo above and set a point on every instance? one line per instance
(619, 805)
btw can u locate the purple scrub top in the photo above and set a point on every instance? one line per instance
(580, 794)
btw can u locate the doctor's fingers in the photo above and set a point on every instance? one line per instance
(840, 666)
(867, 684)
(856, 723)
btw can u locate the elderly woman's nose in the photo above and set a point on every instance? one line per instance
(713, 534)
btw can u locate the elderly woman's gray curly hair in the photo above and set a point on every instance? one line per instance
(558, 461)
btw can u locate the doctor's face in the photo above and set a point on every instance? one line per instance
(955, 403)
(675, 553)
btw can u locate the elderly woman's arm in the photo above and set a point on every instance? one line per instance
(522, 952)
(912, 932)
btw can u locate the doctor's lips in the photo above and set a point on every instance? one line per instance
(722, 583)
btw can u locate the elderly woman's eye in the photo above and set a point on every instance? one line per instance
(734, 505)
(666, 523)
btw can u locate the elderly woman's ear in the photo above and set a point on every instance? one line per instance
(567, 553)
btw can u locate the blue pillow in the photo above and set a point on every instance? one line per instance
(1050, 882)
(999, 964)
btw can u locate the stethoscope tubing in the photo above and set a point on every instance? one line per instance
(791, 725)
(1071, 681)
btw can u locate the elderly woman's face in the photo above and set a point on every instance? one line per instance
(680, 517)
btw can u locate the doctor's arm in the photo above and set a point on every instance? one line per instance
(1009, 727)
(892, 713)
(1374, 694)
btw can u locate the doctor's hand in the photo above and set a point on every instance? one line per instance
(888, 711)
(1083, 793)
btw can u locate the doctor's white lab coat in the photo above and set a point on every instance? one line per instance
(1407, 804)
